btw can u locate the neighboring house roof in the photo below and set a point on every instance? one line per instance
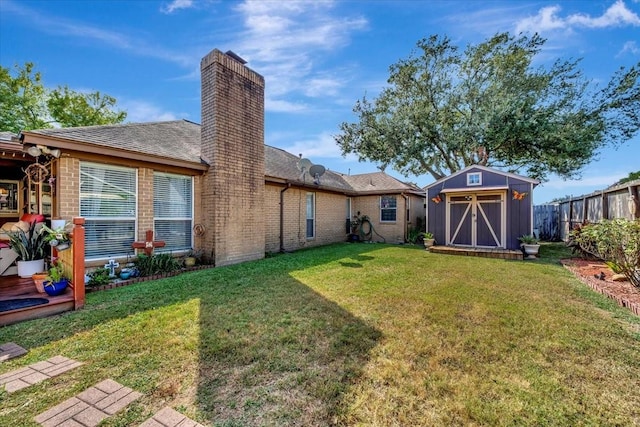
(377, 182)
(179, 141)
(487, 169)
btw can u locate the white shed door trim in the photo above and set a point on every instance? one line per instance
(467, 217)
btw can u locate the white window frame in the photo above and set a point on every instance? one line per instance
(470, 178)
(168, 247)
(89, 218)
(384, 207)
(310, 197)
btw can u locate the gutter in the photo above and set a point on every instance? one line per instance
(282, 216)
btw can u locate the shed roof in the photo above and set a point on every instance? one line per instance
(487, 169)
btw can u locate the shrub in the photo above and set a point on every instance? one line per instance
(156, 264)
(99, 277)
(616, 241)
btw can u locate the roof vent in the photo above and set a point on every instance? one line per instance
(233, 55)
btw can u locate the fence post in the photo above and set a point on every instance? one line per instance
(78, 262)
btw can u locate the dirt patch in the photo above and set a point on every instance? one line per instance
(597, 275)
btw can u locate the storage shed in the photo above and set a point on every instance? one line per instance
(480, 207)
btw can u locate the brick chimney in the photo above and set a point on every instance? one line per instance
(233, 144)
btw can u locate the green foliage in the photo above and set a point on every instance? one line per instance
(30, 245)
(99, 277)
(413, 235)
(631, 177)
(347, 335)
(528, 239)
(55, 273)
(157, 264)
(25, 103)
(445, 110)
(616, 241)
(70, 109)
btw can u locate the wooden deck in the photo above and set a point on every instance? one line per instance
(14, 287)
(480, 252)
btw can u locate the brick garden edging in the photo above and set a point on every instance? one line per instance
(120, 283)
(622, 302)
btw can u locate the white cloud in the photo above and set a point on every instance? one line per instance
(630, 47)
(616, 16)
(176, 5)
(548, 18)
(589, 184)
(323, 145)
(282, 106)
(142, 111)
(53, 24)
(288, 41)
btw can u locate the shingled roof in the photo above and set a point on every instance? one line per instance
(283, 165)
(180, 140)
(377, 182)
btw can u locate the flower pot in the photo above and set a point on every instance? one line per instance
(429, 242)
(189, 261)
(38, 280)
(531, 250)
(56, 288)
(63, 246)
(29, 268)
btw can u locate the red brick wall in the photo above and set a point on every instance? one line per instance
(233, 144)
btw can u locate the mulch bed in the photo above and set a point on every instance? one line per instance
(589, 272)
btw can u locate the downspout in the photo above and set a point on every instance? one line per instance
(406, 232)
(282, 216)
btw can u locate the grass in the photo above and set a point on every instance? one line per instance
(349, 334)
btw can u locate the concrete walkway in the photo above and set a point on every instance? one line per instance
(36, 372)
(10, 350)
(168, 417)
(90, 407)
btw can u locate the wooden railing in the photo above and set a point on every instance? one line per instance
(73, 262)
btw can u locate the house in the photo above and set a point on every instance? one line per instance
(480, 207)
(214, 186)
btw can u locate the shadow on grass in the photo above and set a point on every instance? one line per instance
(270, 349)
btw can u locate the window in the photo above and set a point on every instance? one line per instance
(173, 210)
(311, 215)
(108, 202)
(474, 178)
(388, 206)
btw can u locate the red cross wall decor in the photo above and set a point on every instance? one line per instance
(149, 244)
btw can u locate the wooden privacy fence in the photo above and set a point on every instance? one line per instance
(555, 221)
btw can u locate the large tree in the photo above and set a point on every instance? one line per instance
(489, 105)
(26, 104)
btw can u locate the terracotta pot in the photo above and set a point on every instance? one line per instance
(38, 280)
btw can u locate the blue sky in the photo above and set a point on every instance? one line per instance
(318, 57)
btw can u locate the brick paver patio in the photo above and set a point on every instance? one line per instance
(90, 407)
(36, 372)
(168, 417)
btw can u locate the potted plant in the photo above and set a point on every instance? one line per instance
(192, 258)
(30, 246)
(428, 239)
(56, 282)
(58, 238)
(530, 246)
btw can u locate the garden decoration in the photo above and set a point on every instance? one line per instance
(518, 195)
(149, 244)
(111, 266)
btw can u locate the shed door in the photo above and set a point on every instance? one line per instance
(476, 220)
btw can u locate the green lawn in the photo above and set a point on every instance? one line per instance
(349, 334)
